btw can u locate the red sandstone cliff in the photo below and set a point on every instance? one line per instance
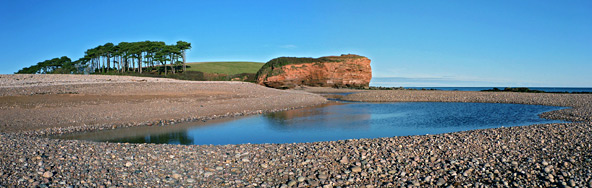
(330, 71)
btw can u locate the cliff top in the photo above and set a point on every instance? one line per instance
(282, 61)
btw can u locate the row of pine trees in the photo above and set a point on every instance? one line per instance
(123, 57)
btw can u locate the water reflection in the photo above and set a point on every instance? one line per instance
(327, 116)
(166, 138)
(336, 121)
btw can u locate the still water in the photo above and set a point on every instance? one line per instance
(335, 121)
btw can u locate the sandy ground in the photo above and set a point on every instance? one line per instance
(34, 102)
(549, 155)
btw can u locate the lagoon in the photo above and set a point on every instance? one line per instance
(334, 121)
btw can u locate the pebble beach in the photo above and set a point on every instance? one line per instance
(33, 107)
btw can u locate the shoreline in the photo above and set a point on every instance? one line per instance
(535, 155)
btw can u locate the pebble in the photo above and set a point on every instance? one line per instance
(344, 160)
(292, 183)
(548, 169)
(301, 179)
(396, 161)
(440, 182)
(47, 174)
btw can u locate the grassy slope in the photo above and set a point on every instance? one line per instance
(229, 68)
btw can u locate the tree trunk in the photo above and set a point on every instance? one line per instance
(172, 64)
(140, 63)
(103, 65)
(184, 65)
(108, 63)
(119, 65)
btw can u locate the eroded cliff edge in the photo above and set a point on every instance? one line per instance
(330, 71)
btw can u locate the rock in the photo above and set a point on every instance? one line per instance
(301, 179)
(330, 71)
(571, 183)
(176, 176)
(128, 164)
(427, 179)
(440, 182)
(47, 174)
(208, 174)
(322, 176)
(344, 160)
(190, 180)
(313, 183)
(356, 169)
(548, 169)
(292, 183)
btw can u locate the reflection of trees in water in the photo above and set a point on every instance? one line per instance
(328, 116)
(167, 138)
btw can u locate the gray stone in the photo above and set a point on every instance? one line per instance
(440, 182)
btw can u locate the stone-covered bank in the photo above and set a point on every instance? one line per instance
(550, 155)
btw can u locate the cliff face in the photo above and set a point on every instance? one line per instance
(330, 71)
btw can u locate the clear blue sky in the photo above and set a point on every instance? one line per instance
(457, 43)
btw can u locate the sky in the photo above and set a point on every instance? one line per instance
(536, 43)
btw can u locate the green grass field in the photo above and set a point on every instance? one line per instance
(229, 68)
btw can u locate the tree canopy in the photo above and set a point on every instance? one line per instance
(62, 65)
(123, 57)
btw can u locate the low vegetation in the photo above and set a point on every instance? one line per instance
(205, 71)
(229, 68)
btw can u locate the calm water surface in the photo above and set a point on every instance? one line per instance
(545, 89)
(334, 122)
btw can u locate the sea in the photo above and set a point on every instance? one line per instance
(545, 89)
(453, 85)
